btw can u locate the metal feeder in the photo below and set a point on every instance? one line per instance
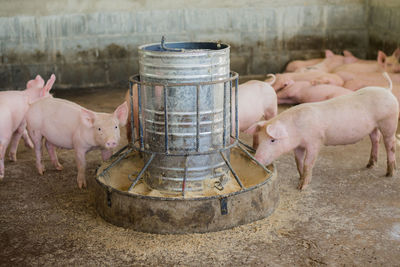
(186, 143)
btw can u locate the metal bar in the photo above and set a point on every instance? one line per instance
(197, 118)
(119, 152)
(236, 109)
(131, 118)
(115, 162)
(166, 121)
(253, 158)
(184, 178)
(252, 150)
(230, 105)
(140, 116)
(231, 169)
(224, 118)
(233, 76)
(140, 173)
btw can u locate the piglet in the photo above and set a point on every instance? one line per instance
(339, 121)
(389, 64)
(300, 64)
(257, 99)
(316, 77)
(330, 62)
(67, 125)
(305, 92)
(13, 107)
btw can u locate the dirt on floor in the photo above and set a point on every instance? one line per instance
(349, 215)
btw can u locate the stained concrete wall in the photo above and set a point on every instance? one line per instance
(94, 43)
(384, 26)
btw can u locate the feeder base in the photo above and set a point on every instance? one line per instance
(179, 215)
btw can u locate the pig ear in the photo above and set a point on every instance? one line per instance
(121, 113)
(37, 82)
(49, 85)
(277, 130)
(329, 53)
(347, 53)
(396, 53)
(381, 57)
(88, 117)
(255, 127)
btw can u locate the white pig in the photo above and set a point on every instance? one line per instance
(13, 107)
(257, 99)
(67, 125)
(339, 121)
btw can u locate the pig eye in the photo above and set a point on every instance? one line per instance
(99, 129)
(272, 140)
(116, 127)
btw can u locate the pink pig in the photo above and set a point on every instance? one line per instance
(13, 107)
(331, 62)
(67, 125)
(383, 63)
(315, 77)
(299, 64)
(305, 92)
(390, 64)
(257, 99)
(305, 128)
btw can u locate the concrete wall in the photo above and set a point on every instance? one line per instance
(384, 26)
(94, 43)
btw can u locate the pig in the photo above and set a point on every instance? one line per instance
(67, 125)
(360, 80)
(331, 62)
(13, 107)
(305, 92)
(383, 63)
(389, 64)
(316, 77)
(342, 120)
(257, 99)
(299, 64)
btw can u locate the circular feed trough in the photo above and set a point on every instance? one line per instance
(187, 171)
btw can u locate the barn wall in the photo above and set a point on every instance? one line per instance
(384, 26)
(94, 43)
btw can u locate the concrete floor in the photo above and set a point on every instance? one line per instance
(349, 215)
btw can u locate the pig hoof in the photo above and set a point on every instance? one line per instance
(29, 145)
(370, 165)
(1, 177)
(41, 170)
(59, 167)
(389, 174)
(302, 186)
(81, 184)
(12, 156)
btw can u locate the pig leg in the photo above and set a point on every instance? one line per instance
(3, 147)
(15, 141)
(375, 136)
(81, 163)
(309, 161)
(37, 142)
(27, 139)
(299, 153)
(51, 149)
(388, 130)
(390, 145)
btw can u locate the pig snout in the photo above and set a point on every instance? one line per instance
(111, 144)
